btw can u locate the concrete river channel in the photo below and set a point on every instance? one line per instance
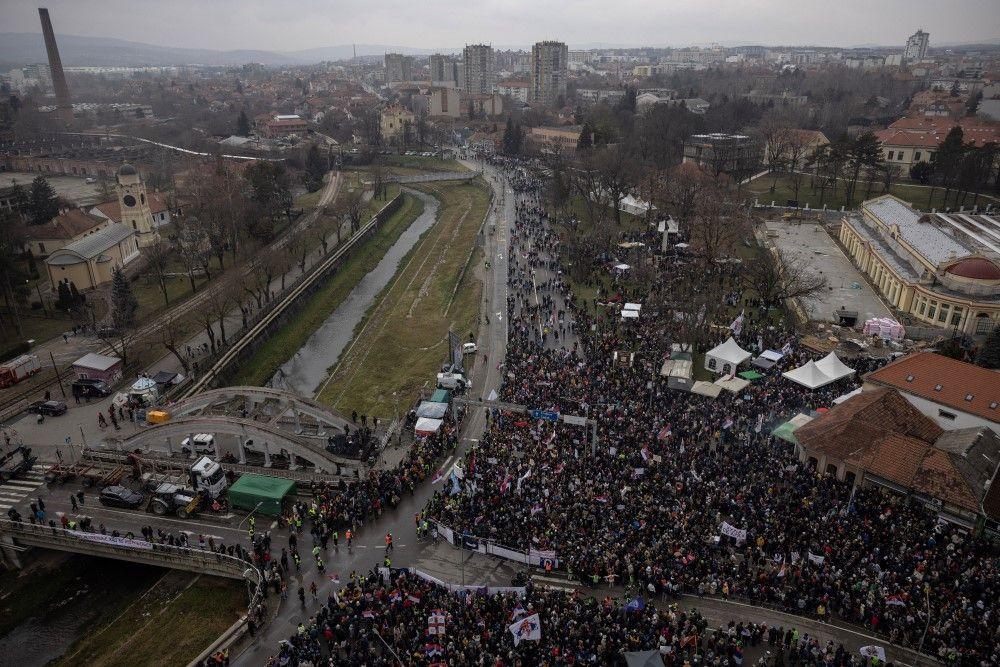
(308, 367)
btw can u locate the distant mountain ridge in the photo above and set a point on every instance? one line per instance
(19, 48)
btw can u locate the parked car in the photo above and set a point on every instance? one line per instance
(120, 496)
(204, 443)
(91, 388)
(48, 408)
(470, 348)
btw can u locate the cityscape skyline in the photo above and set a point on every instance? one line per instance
(263, 26)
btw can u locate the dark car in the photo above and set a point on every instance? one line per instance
(120, 496)
(91, 388)
(49, 408)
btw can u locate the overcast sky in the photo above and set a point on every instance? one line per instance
(287, 25)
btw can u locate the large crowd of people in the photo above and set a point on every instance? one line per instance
(670, 468)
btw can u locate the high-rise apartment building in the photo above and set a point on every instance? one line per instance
(398, 68)
(442, 71)
(549, 63)
(916, 46)
(480, 68)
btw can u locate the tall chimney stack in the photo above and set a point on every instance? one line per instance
(64, 108)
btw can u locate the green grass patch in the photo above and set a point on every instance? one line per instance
(171, 624)
(265, 362)
(401, 343)
(307, 200)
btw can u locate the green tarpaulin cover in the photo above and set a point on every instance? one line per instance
(249, 490)
(751, 375)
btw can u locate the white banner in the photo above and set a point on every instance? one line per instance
(873, 652)
(738, 534)
(113, 541)
(527, 629)
(509, 554)
(816, 559)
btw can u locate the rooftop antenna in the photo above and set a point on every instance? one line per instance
(355, 46)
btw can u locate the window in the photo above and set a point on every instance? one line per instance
(943, 314)
(922, 306)
(916, 156)
(946, 415)
(932, 310)
(937, 387)
(956, 316)
(909, 378)
(968, 397)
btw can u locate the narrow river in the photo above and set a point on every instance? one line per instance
(307, 369)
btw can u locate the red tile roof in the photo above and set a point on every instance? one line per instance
(113, 209)
(922, 373)
(67, 225)
(929, 131)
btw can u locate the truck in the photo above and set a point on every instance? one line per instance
(206, 484)
(15, 370)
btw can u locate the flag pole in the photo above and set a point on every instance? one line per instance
(387, 646)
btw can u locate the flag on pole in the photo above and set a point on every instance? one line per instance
(813, 558)
(335, 578)
(526, 629)
(435, 623)
(536, 508)
(505, 484)
(737, 326)
(895, 600)
(522, 478)
(635, 604)
(433, 649)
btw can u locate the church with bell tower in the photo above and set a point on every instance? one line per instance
(135, 211)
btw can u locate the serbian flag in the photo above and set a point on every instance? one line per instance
(505, 484)
(536, 508)
(438, 476)
(335, 578)
(664, 433)
(517, 613)
(603, 498)
(646, 455)
(368, 614)
(560, 468)
(433, 649)
(395, 596)
(411, 600)
(895, 600)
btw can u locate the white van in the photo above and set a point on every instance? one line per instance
(204, 443)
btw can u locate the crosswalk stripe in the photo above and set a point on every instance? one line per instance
(23, 483)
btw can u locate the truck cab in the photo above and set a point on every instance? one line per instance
(203, 443)
(208, 477)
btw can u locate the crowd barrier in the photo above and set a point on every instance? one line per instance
(534, 557)
(454, 588)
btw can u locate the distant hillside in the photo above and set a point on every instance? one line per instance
(76, 51)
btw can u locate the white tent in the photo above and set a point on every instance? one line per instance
(678, 368)
(809, 376)
(850, 394)
(772, 355)
(706, 389)
(732, 383)
(630, 314)
(426, 426)
(632, 306)
(832, 366)
(726, 357)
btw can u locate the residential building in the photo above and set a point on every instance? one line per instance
(916, 139)
(90, 261)
(480, 69)
(879, 438)
(953, 393)
(556, 139)
(483, 104)
(518, 90)
(282, 125)
(549, 62)
(444, 102)
(722, 153)
(798, 144)
(69, 226)
(916, 46)
(442, 71)
(609, 96)
(398, 68)
(394, 120)
(940, 269)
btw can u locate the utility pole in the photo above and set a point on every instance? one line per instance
(58, 377)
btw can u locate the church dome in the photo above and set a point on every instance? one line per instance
(127, 170)
(975, 268)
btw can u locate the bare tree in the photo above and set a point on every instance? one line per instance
(170, 333)
(379, 173)
(158, 256)
(776, 280)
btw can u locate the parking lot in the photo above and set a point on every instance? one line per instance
(810, 243)
(72, 188)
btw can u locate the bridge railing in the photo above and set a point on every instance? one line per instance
(213, 563)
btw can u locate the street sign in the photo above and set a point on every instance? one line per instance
(545, 414)
(575, 420)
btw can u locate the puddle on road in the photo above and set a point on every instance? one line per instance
(307, 368)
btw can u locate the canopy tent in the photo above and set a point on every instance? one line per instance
(427, 426)
(706, 389)
(832, 366)
(762, 363)
(726, 357)
(844, 397)
(679, 383)
(772, 355)
(809, 376)
(432, 410)
(632, 306)
(732, 383)
(265, 494)
(630, 314)
(440, 396)
(634, 206)
(643, 659)
(786, 430)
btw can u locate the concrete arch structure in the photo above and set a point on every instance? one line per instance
(279, 408)
(269, 437)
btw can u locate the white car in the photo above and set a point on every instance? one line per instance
(470, 348)
(204, 443)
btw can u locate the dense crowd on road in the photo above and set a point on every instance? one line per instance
(646, 509)
(396, 617)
